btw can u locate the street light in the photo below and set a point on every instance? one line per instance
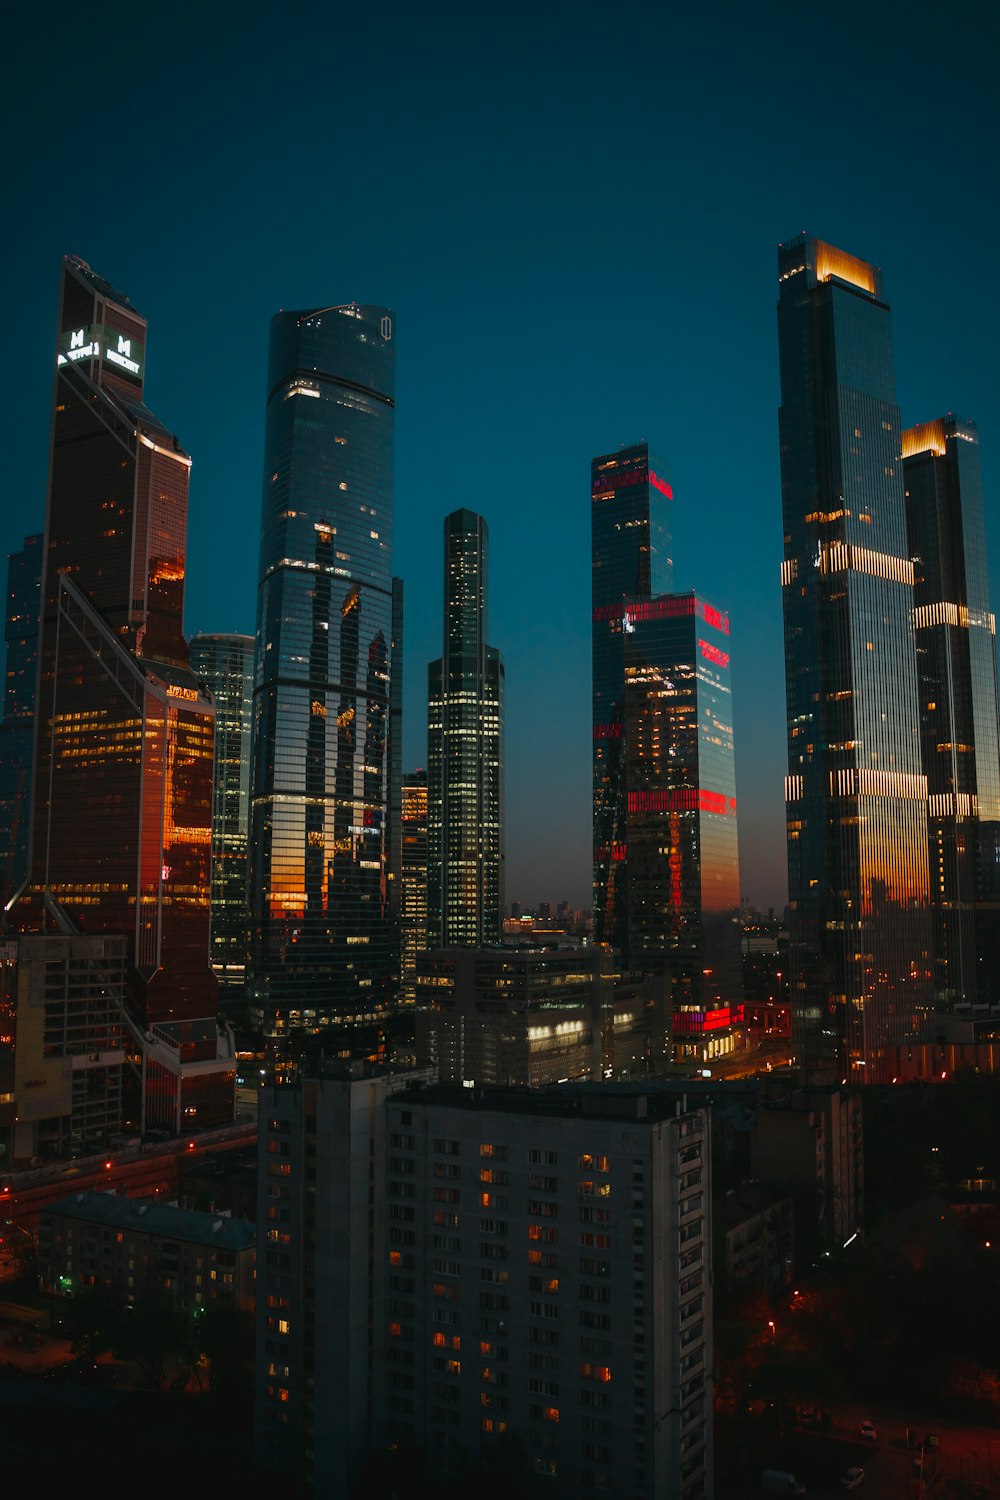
(771, 1325)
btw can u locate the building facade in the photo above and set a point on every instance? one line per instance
(465, 787)
(681, 890)
(860, 934)
(24, 581)
(321, 933)
(124, 740)
(630, 531)
(124, 1247)
(533, 1265)
(413, 875)
(324, 1275)
(71, 995)
(561, 1290)
(960, 725)
(224, 663)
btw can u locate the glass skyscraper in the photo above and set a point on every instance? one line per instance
(630, 558)
(465, 786)
(860, 934)
(24, 581)
(224, 663)
(124, 744)
(680, 855)
(321, 936)
(413, 904)
(956, 664)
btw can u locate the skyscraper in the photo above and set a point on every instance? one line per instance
(465, 791)
(224, 663)
(413, 903)
(856, 792)
(956, 664)
(24, 581)
(321, 938)
(630, 558)
(681, 890)
(123, 764)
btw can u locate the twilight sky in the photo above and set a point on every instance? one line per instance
(573, 209)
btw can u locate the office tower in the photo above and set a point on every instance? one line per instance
(533, 1266)
(956, 666)
(413, 903)
(680, 892)
(24, 581)
(123, 760)
(630, 534)
(324, 1274)
(321, 937)
(465, 792)
(856, 793)
(224, 663)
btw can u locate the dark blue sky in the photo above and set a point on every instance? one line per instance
(574, 211)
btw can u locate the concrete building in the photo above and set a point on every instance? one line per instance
(533, 1016)
(812, 1142)
(754, 1239)
(99, 1242)
(69, 1047)
(455, 1265)
(322, 1282)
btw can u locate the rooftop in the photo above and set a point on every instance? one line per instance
(164, 1220)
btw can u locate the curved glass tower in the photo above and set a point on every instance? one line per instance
(321, 935)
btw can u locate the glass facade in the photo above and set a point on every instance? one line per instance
(413, 913)
(224, 663)
(24, 580)
(124, 746)
(680, 854)
(860, 933)
(630, 558)
(321, 931)
(956, 664)
(465, 796)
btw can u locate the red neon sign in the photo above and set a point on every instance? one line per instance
(661, 485)
(712, 653)
(610, 731)
(682, 799)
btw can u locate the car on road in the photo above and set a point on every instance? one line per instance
(867, 1431)
(851, 1478)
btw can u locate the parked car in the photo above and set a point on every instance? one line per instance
(867, 1431)
(851, 1478)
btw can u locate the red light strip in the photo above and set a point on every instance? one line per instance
(682, 799)
(712, 653)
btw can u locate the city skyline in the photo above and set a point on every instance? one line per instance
(633, 342)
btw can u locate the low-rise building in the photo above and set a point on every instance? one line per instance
(99, 1242)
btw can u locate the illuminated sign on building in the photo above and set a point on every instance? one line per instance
(712, 653)
(86, 343)
(661, 485)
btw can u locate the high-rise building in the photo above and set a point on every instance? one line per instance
(465, 789)
(123, 761)
(960, 726)
(224, 663)
(680, 853)
(322, 946)
(413, 903)
(630, 558)
(24, 582)
(860, 933)
(325, 1274)
(529, 1265)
